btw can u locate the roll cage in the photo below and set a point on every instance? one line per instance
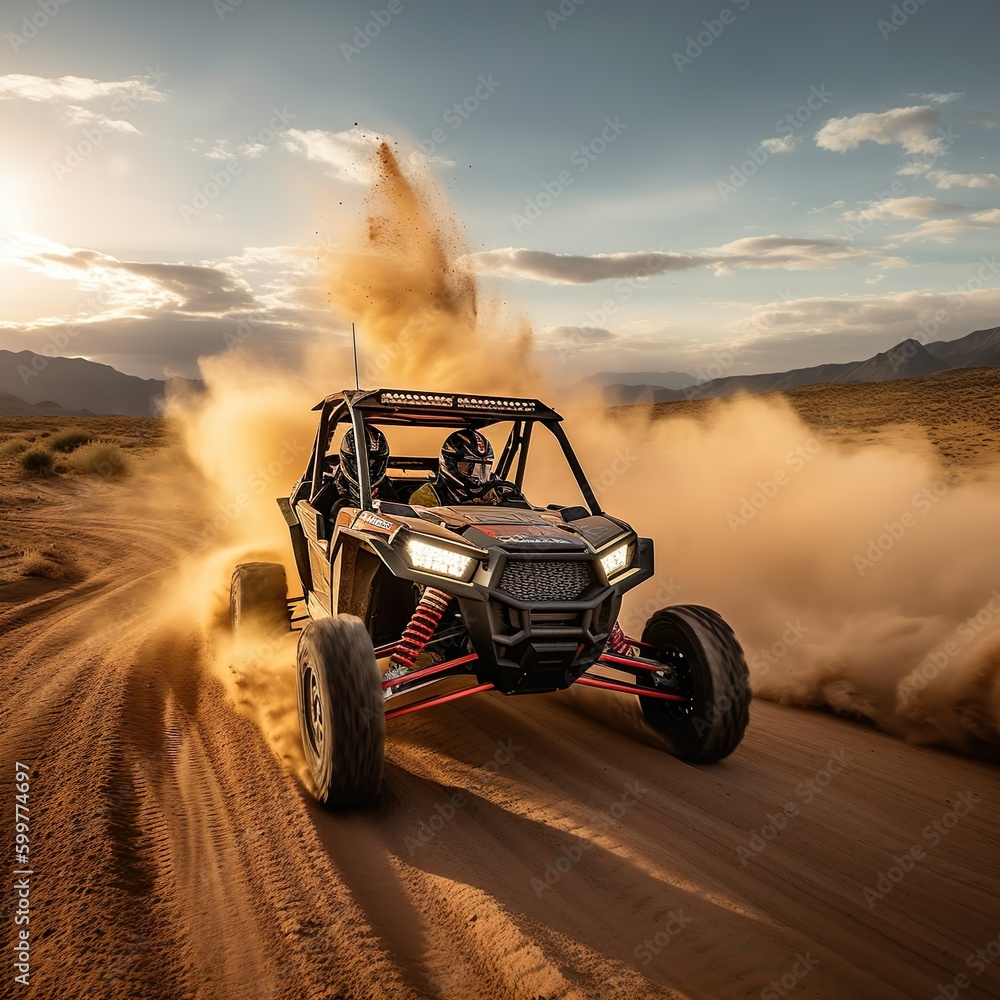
(452, 411)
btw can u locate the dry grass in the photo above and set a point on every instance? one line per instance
(101, 458)
(41, 562)
(12, 448)
(37, 461)
(70, 439)
(134, 434)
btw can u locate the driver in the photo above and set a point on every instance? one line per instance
(465, 475)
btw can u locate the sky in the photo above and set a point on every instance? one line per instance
(694, 186)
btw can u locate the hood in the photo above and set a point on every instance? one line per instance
(518, 530)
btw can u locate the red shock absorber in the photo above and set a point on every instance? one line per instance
(617, 643)
(426, 618)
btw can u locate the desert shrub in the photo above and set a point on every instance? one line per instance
(71, 439)
(13, 447)
(35, 562)
(37, 461)
(101, 458)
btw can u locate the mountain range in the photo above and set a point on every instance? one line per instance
(36, 384)
(664, 380)
(33, 384)
(909, 359)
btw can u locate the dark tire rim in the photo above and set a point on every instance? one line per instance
(675, 679)
(313, 710)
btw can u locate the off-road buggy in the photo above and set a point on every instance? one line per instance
(409, 607)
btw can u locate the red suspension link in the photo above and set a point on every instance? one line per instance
(426, 618)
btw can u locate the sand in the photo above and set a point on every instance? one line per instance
(535, 847)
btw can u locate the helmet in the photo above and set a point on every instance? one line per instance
(378, 457)
(466, 464)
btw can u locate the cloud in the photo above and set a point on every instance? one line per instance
(905, 208)
(825, 208)
(575, 269)
(148, 316)
(802, 332)
(67, 95)
(576, 336)
(985, 118)
(798, 333)
(945, 230)
(220, 149)
(945, 179)
(199, 288)
(75, 115)
(790, 252)
(910, 127)
(916, 168)
(783, 145)
(938, 98)
(350, 154)
(212, 149)
(67, 90)
(118, 288)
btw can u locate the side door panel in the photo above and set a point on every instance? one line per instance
(314, 528)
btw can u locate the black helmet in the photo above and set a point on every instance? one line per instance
(378, 457)
(467, 464)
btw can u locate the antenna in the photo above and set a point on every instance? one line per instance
(354, 340)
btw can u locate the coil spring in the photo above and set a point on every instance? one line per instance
(426, 617)
(618, 643)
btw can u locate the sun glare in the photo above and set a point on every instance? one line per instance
(13, 201)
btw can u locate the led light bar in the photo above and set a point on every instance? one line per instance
(396, 398)
(415, 398)
(494, 403)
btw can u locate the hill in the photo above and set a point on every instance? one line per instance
(908, 359)
(79, 385)
(15, 406)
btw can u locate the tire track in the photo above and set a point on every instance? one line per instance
(506, 860)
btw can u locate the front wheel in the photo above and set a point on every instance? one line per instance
(341, 710)
(703, 661)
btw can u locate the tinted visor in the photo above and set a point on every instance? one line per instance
(476, 471)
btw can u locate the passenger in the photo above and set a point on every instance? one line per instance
(465, 475)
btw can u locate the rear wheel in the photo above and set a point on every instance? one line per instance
(258, 599)
(341, 710)
(703, 661)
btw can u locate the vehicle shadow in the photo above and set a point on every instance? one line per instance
(350, 839)
(598, 918)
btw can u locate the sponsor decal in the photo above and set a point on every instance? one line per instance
(375, 521)
(540, 539)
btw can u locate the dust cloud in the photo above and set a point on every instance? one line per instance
(861, 579)
(421, 323)
(858, 579)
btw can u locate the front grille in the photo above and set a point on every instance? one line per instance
(546, 581)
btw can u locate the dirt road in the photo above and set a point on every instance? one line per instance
(523, 848)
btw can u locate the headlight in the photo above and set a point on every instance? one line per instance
(616, 560)
(437, 559)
